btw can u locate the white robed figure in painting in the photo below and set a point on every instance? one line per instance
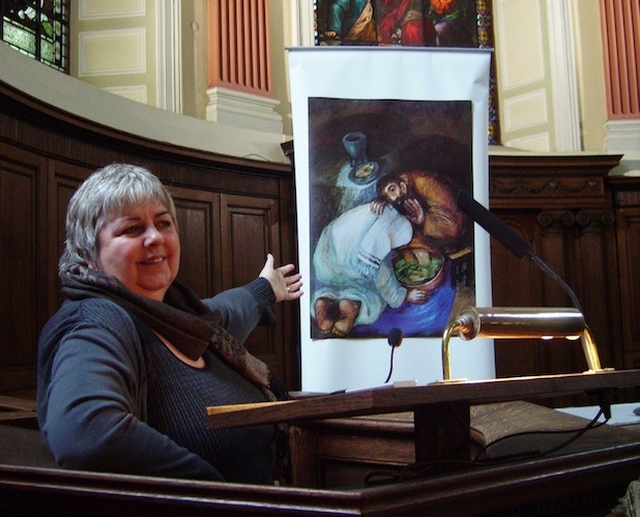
(356, 260)
(347, 262)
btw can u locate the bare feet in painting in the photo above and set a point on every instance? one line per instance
(335, 317)
(325, 314)
(349, 310)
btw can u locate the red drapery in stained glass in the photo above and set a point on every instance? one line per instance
(424, 23)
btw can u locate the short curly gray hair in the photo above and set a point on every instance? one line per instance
(107, 193)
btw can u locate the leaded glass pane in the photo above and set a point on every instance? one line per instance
(38, 28)
(19, 37)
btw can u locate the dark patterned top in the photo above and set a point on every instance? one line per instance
(178, 395)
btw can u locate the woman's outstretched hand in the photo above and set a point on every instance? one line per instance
(285, 286)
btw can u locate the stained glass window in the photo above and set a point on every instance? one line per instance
(436, 23)
(38, 28)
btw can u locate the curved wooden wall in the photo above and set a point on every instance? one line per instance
(231, 212)
(585, 225)
(581, 222)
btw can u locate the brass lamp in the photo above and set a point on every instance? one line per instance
(520, 323)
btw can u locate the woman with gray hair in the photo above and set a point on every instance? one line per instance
(132, 358)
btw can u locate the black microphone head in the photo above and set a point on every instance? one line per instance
(494, 226)
(395, 337)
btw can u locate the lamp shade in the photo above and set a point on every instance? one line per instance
(519, 322)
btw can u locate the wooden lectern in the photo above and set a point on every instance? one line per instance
(440, 411)
(585, 481)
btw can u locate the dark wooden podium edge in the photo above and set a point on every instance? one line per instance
(392, 400)
(25, 491)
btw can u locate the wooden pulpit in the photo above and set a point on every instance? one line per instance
(440, 410)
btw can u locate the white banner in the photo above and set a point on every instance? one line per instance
(384, 138)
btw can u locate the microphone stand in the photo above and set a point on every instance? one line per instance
(519, 247)
(508, 238)
(542, 265)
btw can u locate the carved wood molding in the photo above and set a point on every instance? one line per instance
(551, 186)
(549, 181)
(589, 217)
(583, 218)
(626, 191)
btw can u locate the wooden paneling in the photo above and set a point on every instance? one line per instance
(230, 214)
(581, 222)
(250, 230)
(198, 224)
(20, 249)
(627, 201)
(629, 247)
(564, 208)
(64, 180)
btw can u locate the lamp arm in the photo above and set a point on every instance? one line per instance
(590, 350)
(446, 356)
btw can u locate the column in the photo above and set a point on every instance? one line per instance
(239, 91)
(621, 41)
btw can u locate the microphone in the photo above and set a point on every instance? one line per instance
(395, 337)
(508, 238)
(395, 340)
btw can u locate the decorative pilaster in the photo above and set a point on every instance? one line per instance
(621, 39)
(621, 42)
(240, 92)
